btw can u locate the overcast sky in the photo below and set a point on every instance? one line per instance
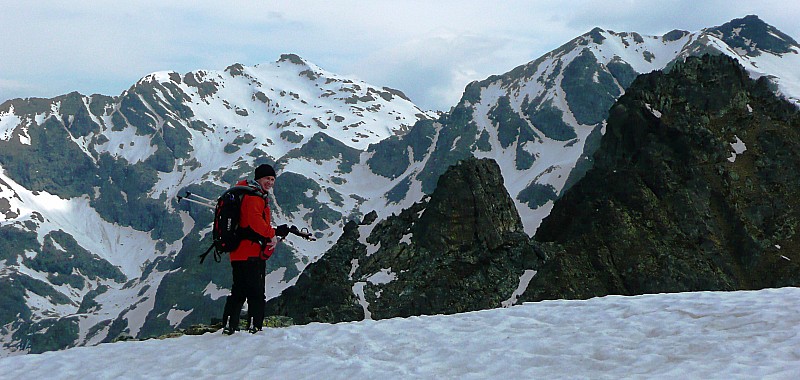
(428, 49)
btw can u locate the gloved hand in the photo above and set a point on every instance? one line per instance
(282, 230)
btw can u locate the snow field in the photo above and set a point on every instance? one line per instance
(708, 335)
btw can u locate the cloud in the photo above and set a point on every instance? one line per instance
(431, 70)
(10, 89)
(658, 17)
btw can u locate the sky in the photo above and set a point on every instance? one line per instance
(703, 335)
(430, 50)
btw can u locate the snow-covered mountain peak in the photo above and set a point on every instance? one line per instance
(541, 120)
(95, 178)
(290, 99)
(751, 36)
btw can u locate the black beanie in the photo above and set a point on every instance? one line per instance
(264, 170)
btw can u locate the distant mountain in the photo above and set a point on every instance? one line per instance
(95, 245)
(92, 235)
(543, 120)
(694, 188)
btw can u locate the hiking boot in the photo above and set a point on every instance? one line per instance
(254, 330)
(228, 331)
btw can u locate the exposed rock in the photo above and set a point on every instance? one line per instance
(695, 187)
(462, 249)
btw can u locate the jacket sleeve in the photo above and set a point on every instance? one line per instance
(256, 215)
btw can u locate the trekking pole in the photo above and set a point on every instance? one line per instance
(284, 230)
(200, 197)
(180, 198)
(304, 233)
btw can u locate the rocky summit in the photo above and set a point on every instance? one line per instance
(463, 248)
(694, 187)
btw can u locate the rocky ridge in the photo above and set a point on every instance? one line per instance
(461, 249)
(694, 188)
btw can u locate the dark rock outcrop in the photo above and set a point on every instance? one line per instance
(462, 249)
(695, 187)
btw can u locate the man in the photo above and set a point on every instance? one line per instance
(248, 260)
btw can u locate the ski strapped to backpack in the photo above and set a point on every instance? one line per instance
(226, 232)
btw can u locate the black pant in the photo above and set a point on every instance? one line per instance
(248, 285)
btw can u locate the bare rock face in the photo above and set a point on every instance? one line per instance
(695, 187)
(462, 249)
(470, 206)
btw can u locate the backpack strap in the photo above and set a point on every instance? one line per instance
(217, 256)
(249, 234)
(250, 189)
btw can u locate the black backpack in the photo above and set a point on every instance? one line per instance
(226, 231)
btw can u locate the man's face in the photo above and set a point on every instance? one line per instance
(266, 182)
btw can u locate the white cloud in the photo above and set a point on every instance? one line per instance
(444, 61)
(13, 89)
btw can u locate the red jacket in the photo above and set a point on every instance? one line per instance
(256, 216)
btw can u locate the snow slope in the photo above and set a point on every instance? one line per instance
(704, 335)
